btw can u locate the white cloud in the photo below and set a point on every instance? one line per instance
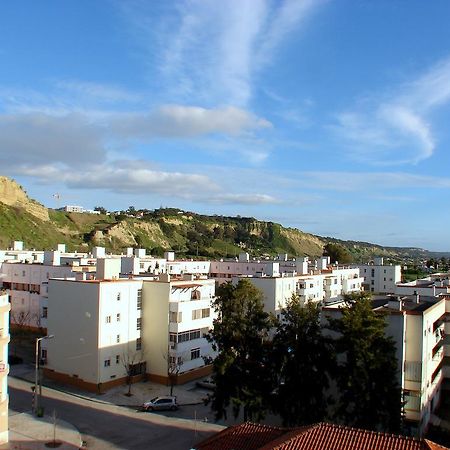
(30, 139)
(187, 121)
(395, 129)
(211, 51)
(139, 178)
(243, 199)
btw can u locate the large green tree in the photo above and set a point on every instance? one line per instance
(337, 252)
(303, 359)
(367, 379)
(241, 371)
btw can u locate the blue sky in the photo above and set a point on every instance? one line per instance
(328, 116)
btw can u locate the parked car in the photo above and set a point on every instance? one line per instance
(161, 403)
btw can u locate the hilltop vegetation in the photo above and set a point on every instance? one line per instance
(187, 233)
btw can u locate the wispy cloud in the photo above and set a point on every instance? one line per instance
(395, 128)
(212, 51)
(369, 181)
(187, 121)
(140, 178)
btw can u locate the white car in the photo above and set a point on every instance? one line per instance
(167, 402)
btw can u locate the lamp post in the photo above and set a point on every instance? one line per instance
(36, 373)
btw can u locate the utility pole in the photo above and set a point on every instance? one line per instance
(37, 380)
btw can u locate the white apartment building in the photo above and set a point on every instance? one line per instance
(4, 367)
(27, 287)
(432, 285)
(380, 278)
(417, 325)
(157, 326)
(321, 286)
(103, 334)
(177, 315)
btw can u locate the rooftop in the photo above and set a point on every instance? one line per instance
(321, 436)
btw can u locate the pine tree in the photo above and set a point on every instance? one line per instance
(369, 392)
(241, 372)
(303, 359)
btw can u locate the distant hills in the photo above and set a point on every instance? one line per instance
(188, 233)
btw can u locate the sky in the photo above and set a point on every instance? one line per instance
(328, 116)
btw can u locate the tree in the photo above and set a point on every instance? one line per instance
(367, 378)
(337, 252)
(101, 209)
(132, 361)
(241, 371)
(303, 360)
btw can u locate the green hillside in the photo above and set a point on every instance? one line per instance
(187, 233)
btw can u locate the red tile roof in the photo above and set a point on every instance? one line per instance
(321, 436)
(248, 436)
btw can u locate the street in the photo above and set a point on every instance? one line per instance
(108, 426)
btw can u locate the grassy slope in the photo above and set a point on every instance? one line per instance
(214, 236)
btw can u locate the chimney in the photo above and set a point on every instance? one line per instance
(416, 297)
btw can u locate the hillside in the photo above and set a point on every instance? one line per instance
(189, 234)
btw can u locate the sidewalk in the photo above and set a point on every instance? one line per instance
(187, 394)
(30, 433)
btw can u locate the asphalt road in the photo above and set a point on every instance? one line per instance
(105, 426)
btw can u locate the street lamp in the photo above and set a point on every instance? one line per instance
(36, 373)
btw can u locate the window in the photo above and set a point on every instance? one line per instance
(173, 360)
(205, 313)
(118, 296)
(195, 353)
(138, 323)
(195, 295)
(139, 299)
(194, 334)
(23, 273)
(117, 359)
(44, 353)
(108, 319)
(175, 317)
(196, 314)
(138, 343)
(118, 317)
(118, 338)
(44, 312)
(107, 362)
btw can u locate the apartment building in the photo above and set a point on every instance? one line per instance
(105, 332)
(177, 315)
(417, 325)
(4, 367)
(380, 278)
(27, 287)
(323, 286)
(123, 327)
